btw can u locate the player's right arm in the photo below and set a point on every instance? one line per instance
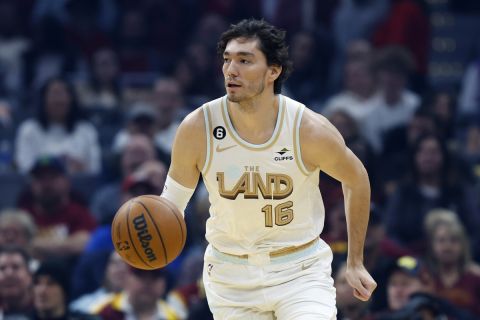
(188, 157)
(188, 152)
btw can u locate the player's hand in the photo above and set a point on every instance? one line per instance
(361, 282)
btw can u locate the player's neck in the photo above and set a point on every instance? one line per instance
(255, 117)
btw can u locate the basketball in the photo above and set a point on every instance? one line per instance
(148, 232)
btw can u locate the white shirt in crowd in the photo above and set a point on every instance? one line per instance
(34, 141)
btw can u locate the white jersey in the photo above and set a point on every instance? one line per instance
(262, 196)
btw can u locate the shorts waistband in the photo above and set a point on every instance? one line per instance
(277, 256)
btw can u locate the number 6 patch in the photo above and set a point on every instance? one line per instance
(219, 133)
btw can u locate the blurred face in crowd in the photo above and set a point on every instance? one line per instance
(447, 245)
(400, 286)
(15, 278)
(245, 70)
(359, 78)
(428, 157)
(13, 233)
(302, 50)
(116, 272)
(442, 107)
(167, 99)
(138, 150)
(57, 101)
(50, 188)
(144, 288)
(392, 84)
(105, 66)
(48, 297)
(418, 126)
(344, 123)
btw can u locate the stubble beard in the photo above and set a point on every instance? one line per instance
(243, 99)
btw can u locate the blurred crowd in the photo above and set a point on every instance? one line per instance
(92, 92)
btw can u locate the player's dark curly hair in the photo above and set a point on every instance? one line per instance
(271, 43)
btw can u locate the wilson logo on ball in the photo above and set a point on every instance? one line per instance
(143, 236)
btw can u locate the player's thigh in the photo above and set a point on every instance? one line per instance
(310, 296)
(239, 313)
(232, 290)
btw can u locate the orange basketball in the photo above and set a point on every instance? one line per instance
(148, 232)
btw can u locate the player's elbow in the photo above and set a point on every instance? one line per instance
(358, 178)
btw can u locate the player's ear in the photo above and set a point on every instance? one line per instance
(274, 72)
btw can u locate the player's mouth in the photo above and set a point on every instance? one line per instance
(233, 85)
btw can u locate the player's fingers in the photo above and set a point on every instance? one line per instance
(360, 296)
(370, 285)
(362, 289)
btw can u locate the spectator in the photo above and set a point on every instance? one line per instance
(189, 301)
(17, 228)
(432, 184)
(306, 82)
(141, 119)
(404, 278)
(397, 104)
(138, 150)
(359, 94)
(102, 88)
(194, 73)
(15, 284)
(132, 43)
(114, 275)
(83, 26)
(64, 225)
(353, 20)
(50, 55)
(141, 298)
(454, 276)
(12, 46)
(442, 106)
(407, 25)
(167, 102)
(397, 145)
(50, 293)
(58, 130)
(409, 295)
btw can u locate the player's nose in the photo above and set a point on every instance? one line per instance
(231, 71)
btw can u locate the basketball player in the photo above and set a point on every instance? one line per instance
(260, 154)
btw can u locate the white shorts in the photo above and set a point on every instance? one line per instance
(296, 286)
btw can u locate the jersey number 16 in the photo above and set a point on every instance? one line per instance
(283, 214)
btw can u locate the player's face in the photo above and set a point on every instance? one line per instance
(245, 69)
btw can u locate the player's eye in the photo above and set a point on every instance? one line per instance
(226, 60)
(243, 61)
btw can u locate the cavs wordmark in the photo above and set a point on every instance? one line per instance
(251, 183)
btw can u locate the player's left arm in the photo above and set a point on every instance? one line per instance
(323, 146)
